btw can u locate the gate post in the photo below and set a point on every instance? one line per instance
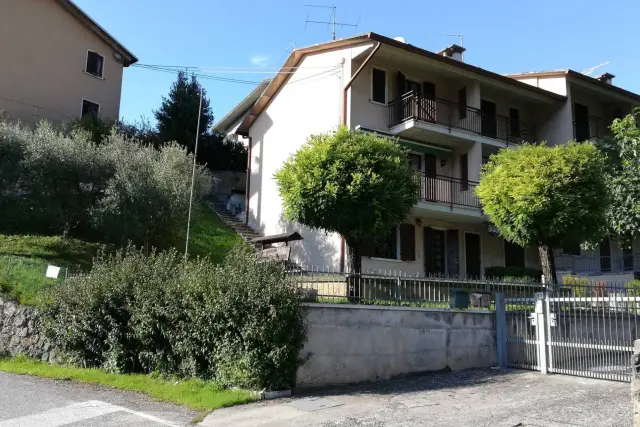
(541, 330)
(501, 330)
(635, 383)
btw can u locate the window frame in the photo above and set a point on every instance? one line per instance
(86, 63)
(398, 257)
(386, 85)
(88, 100)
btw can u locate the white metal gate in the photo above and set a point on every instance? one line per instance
(586, 331)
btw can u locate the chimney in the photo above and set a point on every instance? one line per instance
(454, 52)
(606, 78)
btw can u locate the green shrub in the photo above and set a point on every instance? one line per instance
(241, 323)
(633, 287)
(579, 285)
(517, 273)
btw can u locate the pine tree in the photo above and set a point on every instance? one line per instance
(178, 115)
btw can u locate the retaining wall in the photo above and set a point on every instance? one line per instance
(352, 343)
(20, 332)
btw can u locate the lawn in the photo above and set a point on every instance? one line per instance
(196, 394)
(24, 258)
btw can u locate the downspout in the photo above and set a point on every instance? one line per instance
(344, 123)
(248, 183)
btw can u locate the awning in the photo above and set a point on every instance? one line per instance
(411, 144)
(277, 238)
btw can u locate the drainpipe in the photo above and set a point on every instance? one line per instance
(344, 122)
(248, 183)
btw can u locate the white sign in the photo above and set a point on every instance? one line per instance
(53, 271)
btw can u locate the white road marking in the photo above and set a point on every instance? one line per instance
(58, 417)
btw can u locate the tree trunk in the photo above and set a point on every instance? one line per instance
(548, 264)
(354, 261)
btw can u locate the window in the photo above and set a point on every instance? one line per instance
(464, 172)
(513, 255)
(462, 103)
(378, 85)
(90, 108)
(387, 247)
(571, 249)
(95, 64)
(514, 122)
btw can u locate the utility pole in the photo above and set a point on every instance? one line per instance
(193, 176)
(331, 22)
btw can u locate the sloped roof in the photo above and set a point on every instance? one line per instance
(224, 125)
(128, 57)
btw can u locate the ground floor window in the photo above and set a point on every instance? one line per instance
(388, 246)
(513, 255)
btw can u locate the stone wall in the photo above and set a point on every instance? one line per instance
(20, 332)
(353, 343)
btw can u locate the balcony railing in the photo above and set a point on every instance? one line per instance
(451, 115)
(616, 263)
(448, 190)
(593, 128)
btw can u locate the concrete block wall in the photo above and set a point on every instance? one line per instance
(351, 343)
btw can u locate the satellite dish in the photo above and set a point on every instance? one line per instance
(400, 39)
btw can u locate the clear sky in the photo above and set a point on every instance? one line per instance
(504, 36)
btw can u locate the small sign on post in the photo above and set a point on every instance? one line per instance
(52, 272)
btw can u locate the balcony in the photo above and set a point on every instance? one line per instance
(615, 263)
(591, 129)
(453, 192)
(448, 115)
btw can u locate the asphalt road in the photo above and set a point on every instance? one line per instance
(492, 398)
(34, 402)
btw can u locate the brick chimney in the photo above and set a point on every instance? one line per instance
(606, 78)
(454, 52)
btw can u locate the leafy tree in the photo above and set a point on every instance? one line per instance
(352, 183)
(220, 153)
(178, 115)
(546, 196)
(623, 177)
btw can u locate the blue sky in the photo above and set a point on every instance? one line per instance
(504, 36)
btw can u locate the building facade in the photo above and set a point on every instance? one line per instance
(57, 63)
(451, 116)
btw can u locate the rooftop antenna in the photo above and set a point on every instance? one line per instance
(292, 45)
(592, 69)
(331, 22)
(461, 37)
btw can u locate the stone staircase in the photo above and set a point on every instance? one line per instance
(232, 222)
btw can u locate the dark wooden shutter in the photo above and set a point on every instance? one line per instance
(464, 172)
(453, 256)
(462, 103)
(407, 242)
(429, 262)
(605, 254)
(400, 84)
(514, 122)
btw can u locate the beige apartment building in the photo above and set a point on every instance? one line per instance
(57, 63)
(450, 115)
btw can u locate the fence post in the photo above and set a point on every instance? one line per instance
(541, 330)
(635, 383)
(398, 286)
(501, 330)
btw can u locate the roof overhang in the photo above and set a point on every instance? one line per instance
(128, 58)
(240, 111)
(297, 55)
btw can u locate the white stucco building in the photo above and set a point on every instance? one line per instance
(450, 115)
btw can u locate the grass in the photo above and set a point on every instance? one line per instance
(210, 237)
(24, 260)
(195, 394)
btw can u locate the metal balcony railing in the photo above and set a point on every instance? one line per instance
(593, 128)
(615, 263)
(451, 115)
(448, 190)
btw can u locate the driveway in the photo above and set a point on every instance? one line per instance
(34, 402)
(496, 398)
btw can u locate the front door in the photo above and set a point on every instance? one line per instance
(472, 255)
(429, 101)
(434, 252)
(431, 180)
(581, 117)
(488, 111)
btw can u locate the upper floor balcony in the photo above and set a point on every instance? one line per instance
(442, 116)
(439, 193)
(590, 129)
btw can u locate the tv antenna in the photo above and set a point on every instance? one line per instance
(331, 22)
(461, 37)
(291, 44)
(592, 69)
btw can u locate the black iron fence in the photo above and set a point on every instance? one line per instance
(448, 190)
(451, 115)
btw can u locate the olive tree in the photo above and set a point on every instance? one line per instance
(546, 197)
(349, 182)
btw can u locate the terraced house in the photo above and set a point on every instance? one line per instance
(57, 63)
(450, 115)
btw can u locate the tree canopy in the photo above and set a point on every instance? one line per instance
(546, 196)
(622, 176)
(352, 183)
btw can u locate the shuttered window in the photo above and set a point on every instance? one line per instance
(462, 103)
(378, 85)
(407, 242)
(464, 172)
